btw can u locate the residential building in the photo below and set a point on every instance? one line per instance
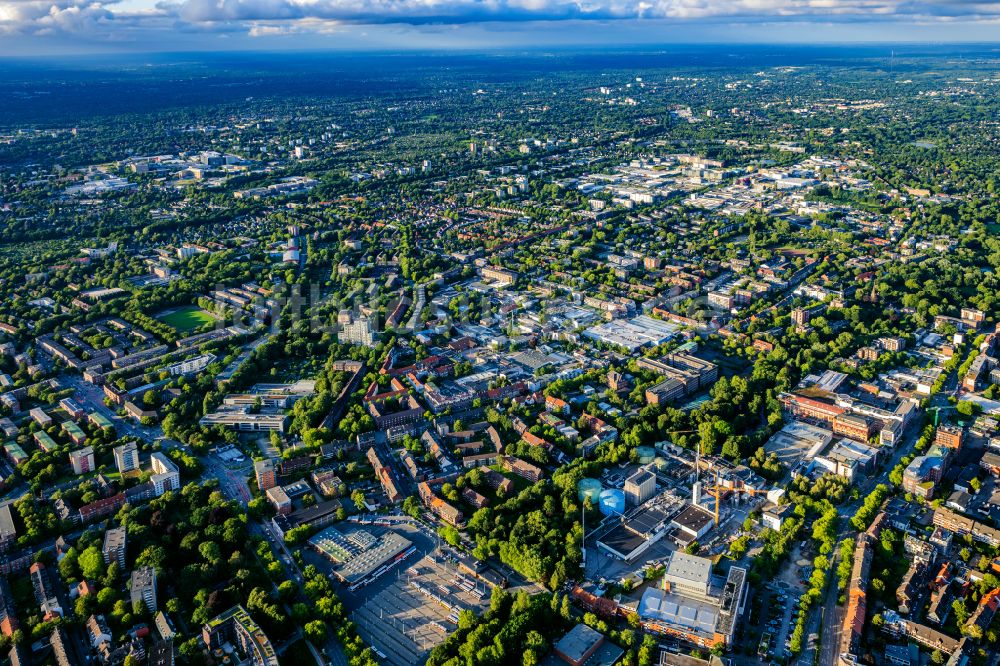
(522, 468)
(441, 508)
(114, 546)
(985, 611)
(264, 471)
(127, 457)
(355, 330)
(143, 588)
(45, 594)
(950, 437)
(164, 626)
(235, 627)
(475, 499)
(165, 476)
(8, 610)
(498, 275)
(385, 477)
(39, 416)
(72, 409)
(58, 641)
(97, 631)
(82, 460)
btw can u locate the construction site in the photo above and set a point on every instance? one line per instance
(662, 509)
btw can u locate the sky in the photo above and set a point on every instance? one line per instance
(54, 27)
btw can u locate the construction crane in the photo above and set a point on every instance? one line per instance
(937, 412)
(716, 491)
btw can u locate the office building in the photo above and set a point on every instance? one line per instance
(688, 574)
(242, 419)
(855, 426)
(693, 605)
(694, 374)
(665, 392)
(279, 499)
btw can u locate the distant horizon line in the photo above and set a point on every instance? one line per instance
(648, 47)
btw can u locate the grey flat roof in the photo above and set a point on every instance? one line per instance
(357, 552)
(7, 529)
(698, 616)
(646, 520)
(114, 537)
(640, 477)
(579, 639)
(622, 541)
(689, 567)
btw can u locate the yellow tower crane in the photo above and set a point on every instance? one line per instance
(717, 490)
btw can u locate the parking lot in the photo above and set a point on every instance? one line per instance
(418, 610)
(770, 619)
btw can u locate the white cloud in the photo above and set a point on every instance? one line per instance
(468, 11)
(268, 18)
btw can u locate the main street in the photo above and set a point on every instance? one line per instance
(829, 620)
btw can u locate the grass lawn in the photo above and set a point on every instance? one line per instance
(186, 319)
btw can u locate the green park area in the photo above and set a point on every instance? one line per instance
(186, 319)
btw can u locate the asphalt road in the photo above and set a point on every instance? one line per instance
(831, 615)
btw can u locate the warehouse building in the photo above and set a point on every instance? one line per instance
(637, 531)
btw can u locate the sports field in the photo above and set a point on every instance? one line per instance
(186, 319)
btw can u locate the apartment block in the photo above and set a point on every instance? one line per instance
(143, 588)
(127, 457)
(82, 460)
